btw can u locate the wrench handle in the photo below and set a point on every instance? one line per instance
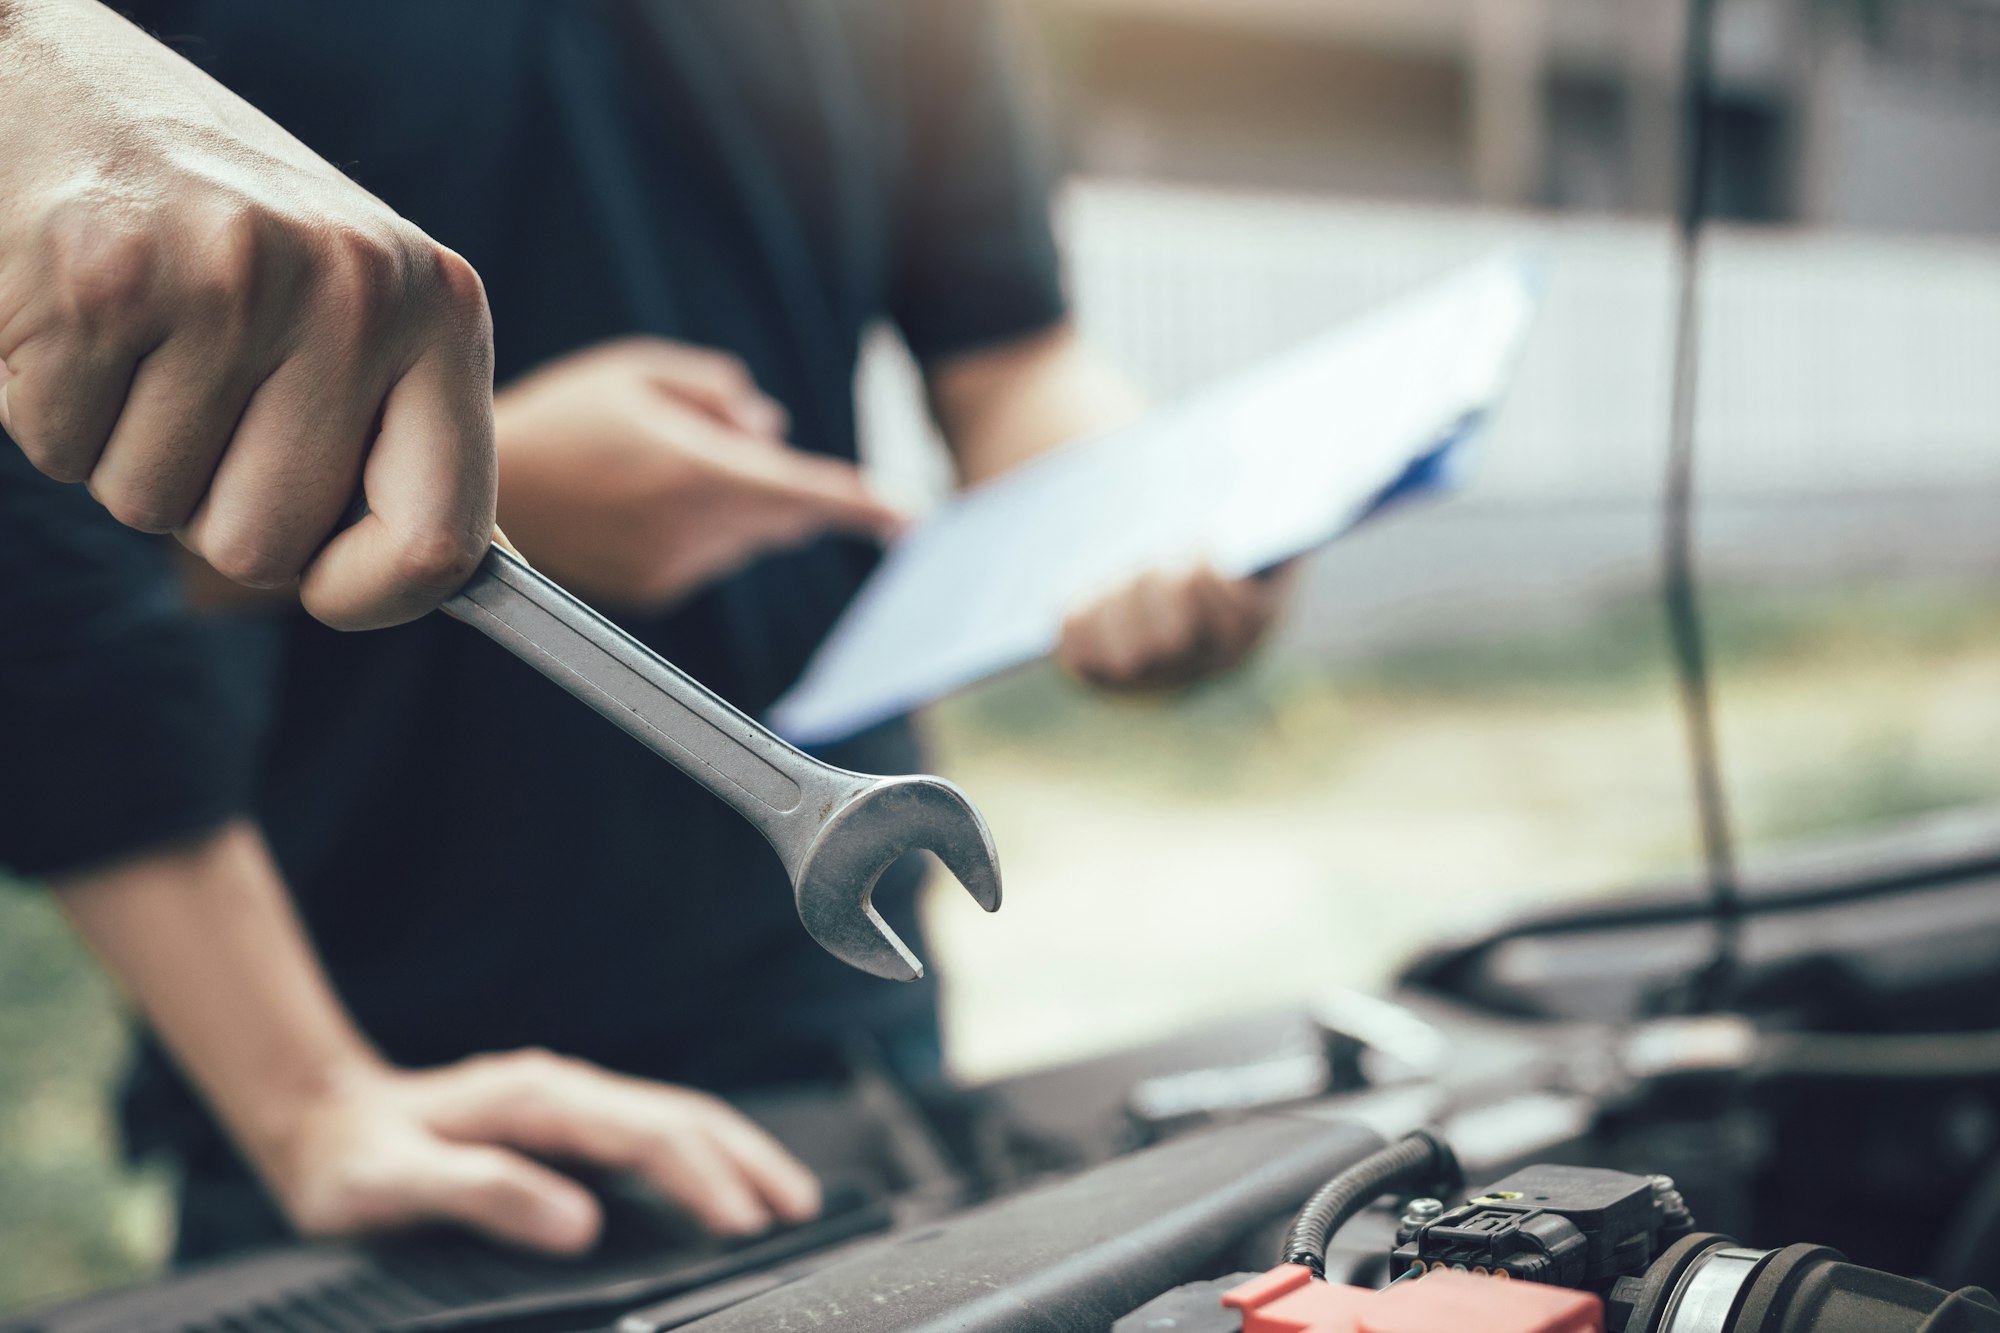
(646, 696)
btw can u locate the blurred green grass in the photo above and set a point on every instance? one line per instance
(1880, 660)
(1285, 721)
(72, 1218)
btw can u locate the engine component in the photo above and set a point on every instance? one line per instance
(1569, 1226)
(1288, 1300)
(1556, 1249)
(1077, 1253)
(1420, 1161)
(1708, 1284)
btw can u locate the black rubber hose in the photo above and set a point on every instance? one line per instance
(1421, 1161)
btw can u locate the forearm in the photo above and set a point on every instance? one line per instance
(1002, 406)
(81, 60)
(205, 941)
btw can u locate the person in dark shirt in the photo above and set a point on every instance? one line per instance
(207, 329)
(687, 214)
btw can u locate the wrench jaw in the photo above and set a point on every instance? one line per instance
(835, 882)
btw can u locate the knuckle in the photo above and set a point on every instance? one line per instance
(534, 1060)
(697, 1104)
(724, 369)
(107, 272)
(364, 278)
(484, 1062)
(322, 1207)
(438, 558)
(458, 286)
(51, 456)
(665, 1158)
(1121, 669)
(145, 511)
(252, 562)
(498, 1195)
(53, 433)
(225, 278)
(538, 1077)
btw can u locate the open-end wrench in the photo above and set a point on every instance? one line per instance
(835, 831)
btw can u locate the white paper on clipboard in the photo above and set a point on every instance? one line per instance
(1262, 467)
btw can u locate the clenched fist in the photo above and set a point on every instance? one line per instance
(636, 471)
(225, 338)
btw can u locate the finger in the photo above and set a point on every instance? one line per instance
(288, 474)
(761, 416)
(429, 480)
(507, 1197)
(1256, 602)
(807, 495)
(1164, 638)
(1118, 630)
(62, 398)
(675, 1156)
(1170, 629)
(564, 1108)
(695, 1171)
(1112, 630)
(1242, 612)
(1229, 615)
(1080, 650)
(1084, 649)
(717, 383)
(162, 454)
(785, 1183)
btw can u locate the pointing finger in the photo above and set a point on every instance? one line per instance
(823, 494)
(717, 383)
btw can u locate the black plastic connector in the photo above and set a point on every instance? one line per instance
(1569, 1226)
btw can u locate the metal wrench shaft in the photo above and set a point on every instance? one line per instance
(787, 794)
(834, 830)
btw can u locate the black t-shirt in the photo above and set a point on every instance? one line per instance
(111, 740)
(482, 861)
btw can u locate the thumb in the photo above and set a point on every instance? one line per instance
(509, 1198)
(5, 375)
(828, 494)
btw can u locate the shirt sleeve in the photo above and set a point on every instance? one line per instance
(975, 259)
(115, 728)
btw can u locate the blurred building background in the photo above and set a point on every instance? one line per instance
(1834, 112)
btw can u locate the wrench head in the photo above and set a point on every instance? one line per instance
(890, 817)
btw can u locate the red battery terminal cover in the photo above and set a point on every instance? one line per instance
(1289, 1300)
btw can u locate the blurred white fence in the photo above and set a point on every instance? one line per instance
(1850, 406)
